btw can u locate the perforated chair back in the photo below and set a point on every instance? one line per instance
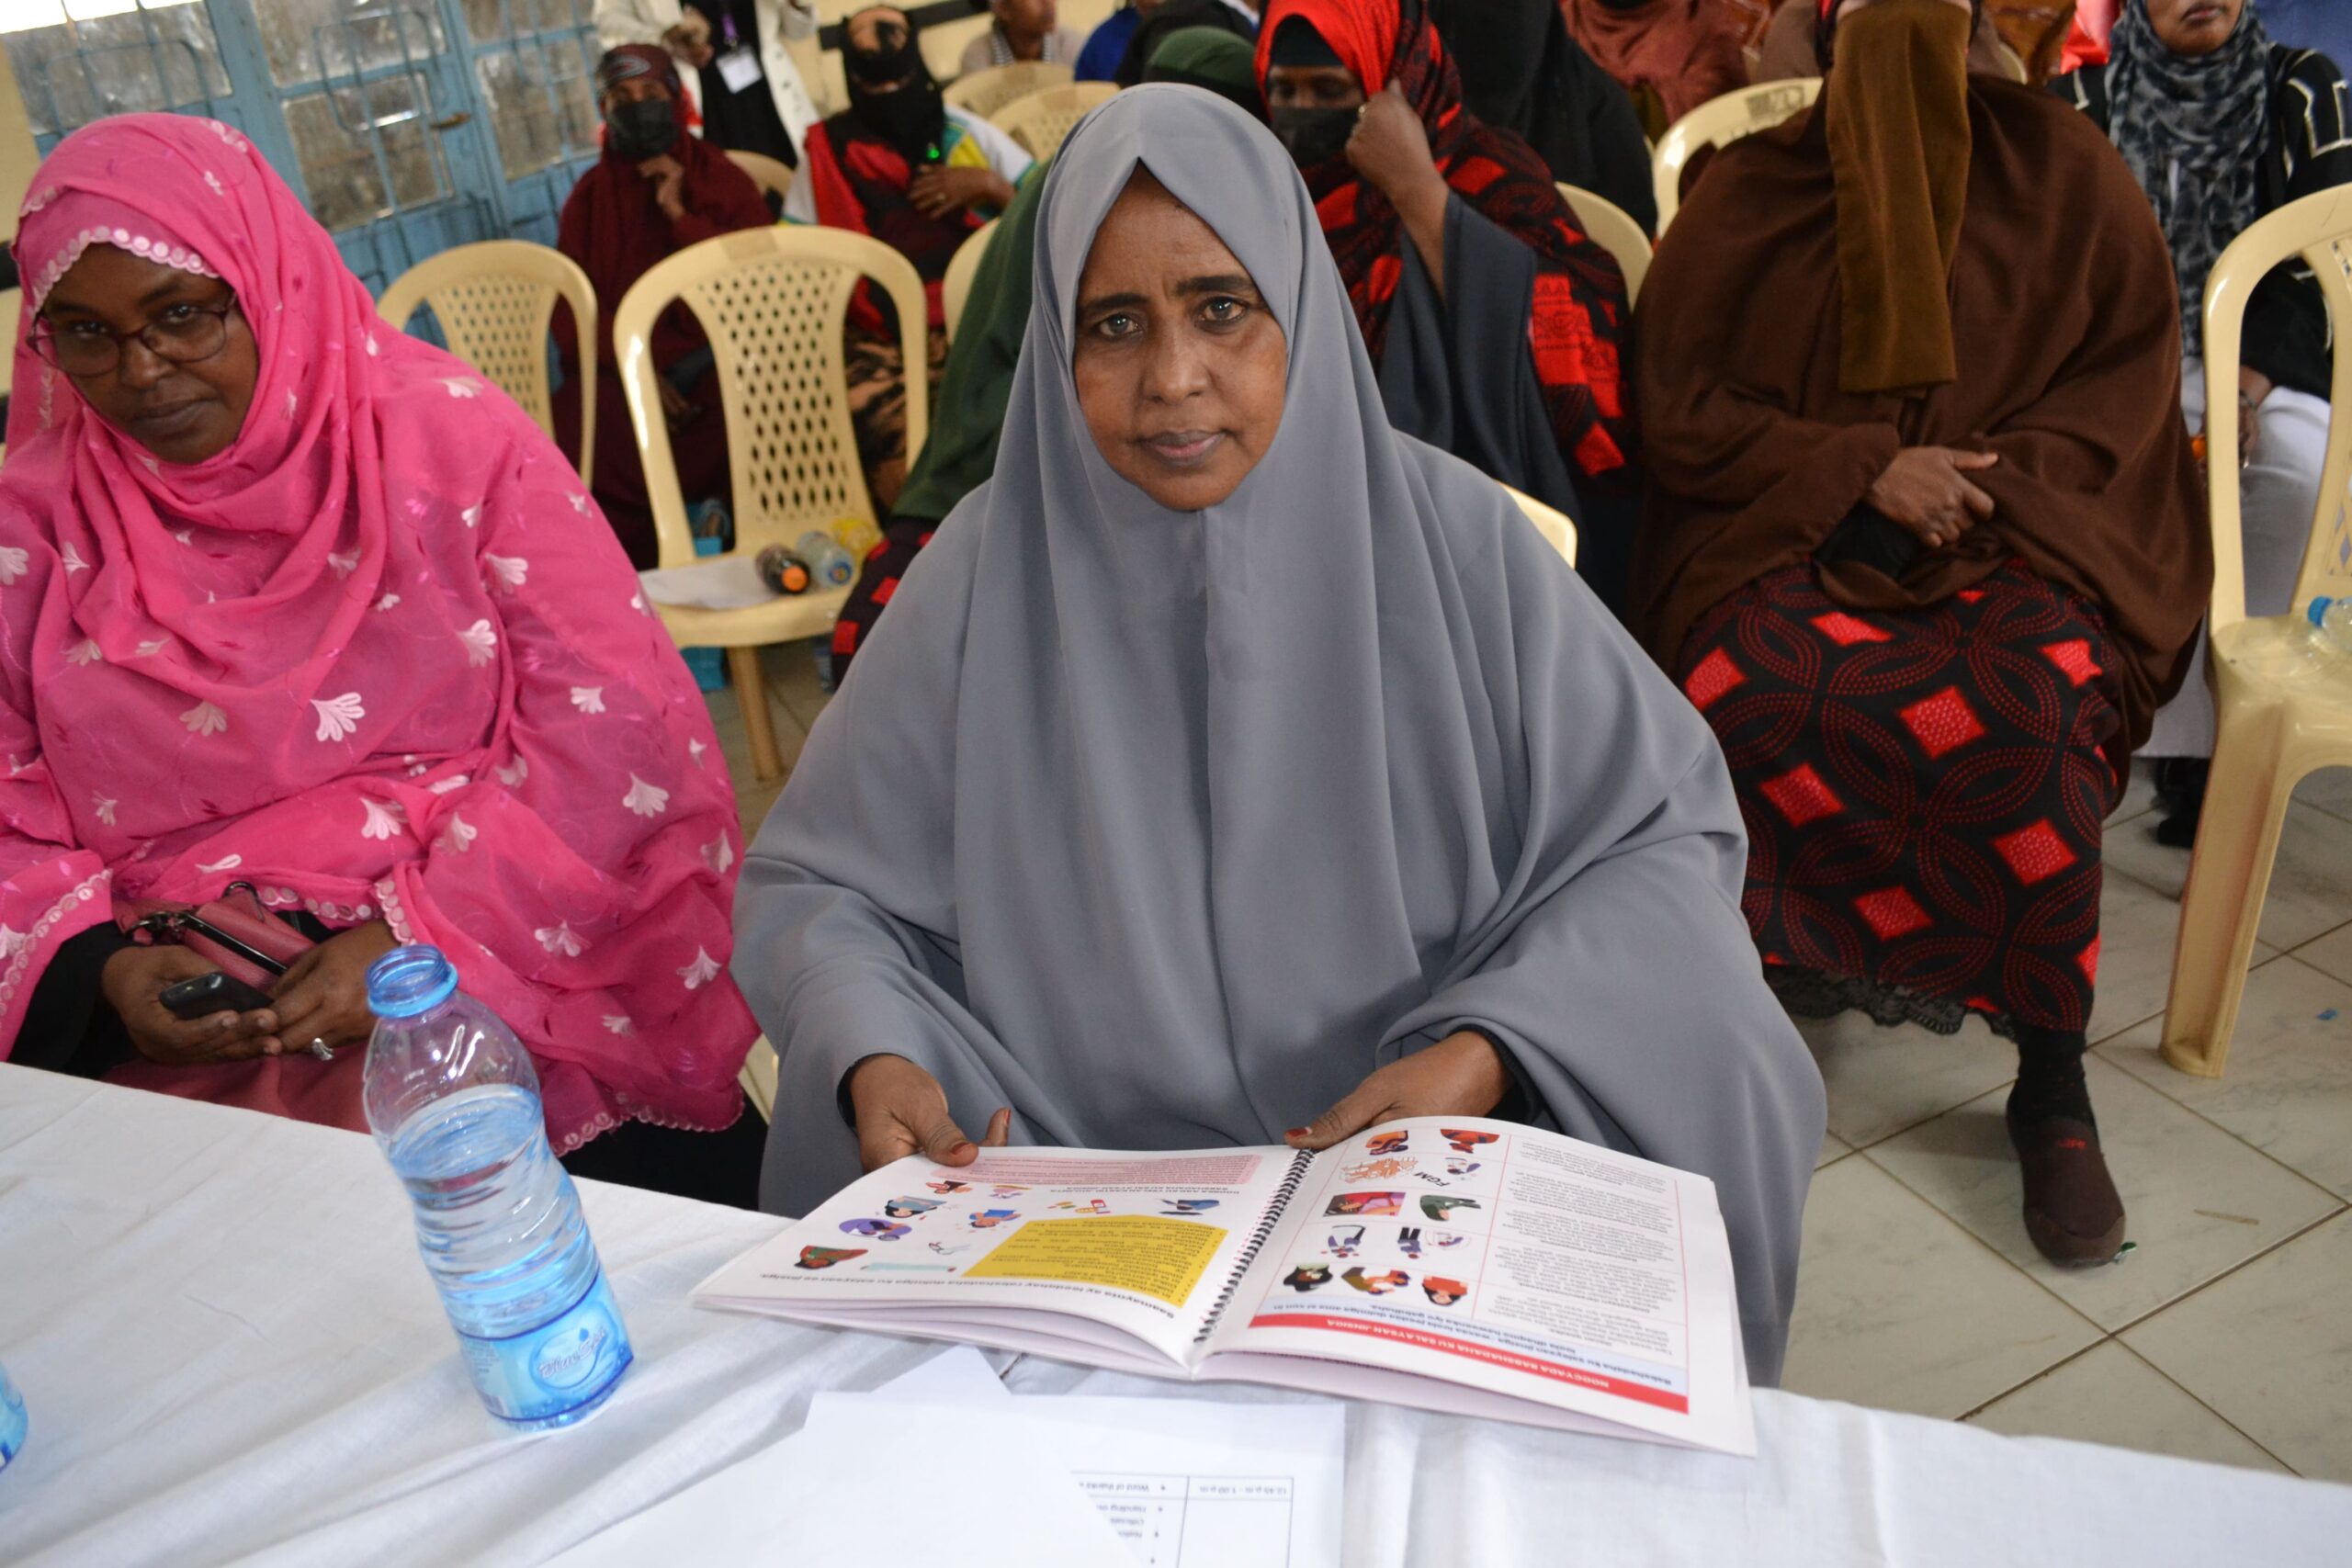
(774, 302)
(984, 92)
(1040, 121)
(492, 301)
(1613, 228)
(1552, 524)
(772, 176)
(955, 288)
(1716, 122)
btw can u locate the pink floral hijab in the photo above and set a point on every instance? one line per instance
(382, 658)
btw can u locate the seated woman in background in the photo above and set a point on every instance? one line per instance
(1671, 55)
(1493, 322)
(655, 191)
(1925, 547)
(1236, 764)
(295, 601)
(960, 452)
(906, 167)
(1523, 74)
(2220, 126)
(1792, 50)
(1024, 30)
(1112, 47)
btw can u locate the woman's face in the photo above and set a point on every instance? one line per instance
(2191, 27)
(1312, 88)
(1180, 368)
(183, 413)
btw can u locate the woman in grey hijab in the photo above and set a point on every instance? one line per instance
(1234, 760)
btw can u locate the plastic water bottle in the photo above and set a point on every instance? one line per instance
(13, 1419)
(783, 571)
(2330, 622)
(454, 1102)
(827, 560)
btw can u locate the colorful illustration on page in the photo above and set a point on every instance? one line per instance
(1442, 1292)
(1309, 1277)
(1464, 1139)
(989, 1219)
(1375, 1170)
(1344, 1240)
(1386, 1142)
(1377, 1284)
(880, 1230)
(1369, 1204)
(1439, 1208)
(1182, 1207)
(910, 1208)
(813, 1258)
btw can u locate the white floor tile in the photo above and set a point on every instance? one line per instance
(1832, 1149)
(2310, 884)
(2330, 789)
(2270, 1349)
(2332, 953)
(2139, 796)
(2287, 1087)
(2138, 927)
(2199, 1202)
(2109, 1396)
(1883, 1080)
(1900, 1309)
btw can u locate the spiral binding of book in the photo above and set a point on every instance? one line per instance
(1258, 1239)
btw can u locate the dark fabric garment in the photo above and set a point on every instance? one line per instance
(1173, 17)
(745, 121)
(1447, 376)
(68, 1027)
(709, 1167)
(1107, 45)
(617, 231)
(1923, 792)
(2306, 147)
(1523, 74)
(1579, 315)
(859, 182)
(2070, 374)
(875, 369)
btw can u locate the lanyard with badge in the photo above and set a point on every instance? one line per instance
(738, 62)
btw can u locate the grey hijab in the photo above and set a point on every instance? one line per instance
(1165, 829)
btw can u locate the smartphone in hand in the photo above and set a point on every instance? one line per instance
(208, 993)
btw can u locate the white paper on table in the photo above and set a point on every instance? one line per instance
(1186, 1484)
(731, 582)
(872, 1486)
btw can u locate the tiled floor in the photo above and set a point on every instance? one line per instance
(2225, 1334)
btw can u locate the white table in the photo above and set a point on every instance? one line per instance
(230, 1352)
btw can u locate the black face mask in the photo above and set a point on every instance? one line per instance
(1314, 137)
(645, 128)
(913, 119)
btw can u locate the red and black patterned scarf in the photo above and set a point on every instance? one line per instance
(1580, 313)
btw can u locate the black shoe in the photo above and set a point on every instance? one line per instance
(2071, 1210)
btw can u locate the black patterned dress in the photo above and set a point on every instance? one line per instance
(1923, 793)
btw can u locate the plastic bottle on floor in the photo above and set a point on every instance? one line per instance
(454, 1102)
(13, 1419)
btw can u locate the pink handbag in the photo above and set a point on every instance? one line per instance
(239, 937)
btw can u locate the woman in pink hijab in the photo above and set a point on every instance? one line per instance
(290, 599)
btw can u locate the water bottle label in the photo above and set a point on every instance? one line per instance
(13, 1419)
(557, 1366)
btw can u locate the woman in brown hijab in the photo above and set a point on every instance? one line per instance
(1671, 55)
(1925, 547)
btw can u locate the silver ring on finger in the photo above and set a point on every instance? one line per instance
(320, 1049)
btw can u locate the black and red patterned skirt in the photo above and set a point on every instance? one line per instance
(1923, 792)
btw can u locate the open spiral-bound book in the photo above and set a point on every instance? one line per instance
(1459, 1265)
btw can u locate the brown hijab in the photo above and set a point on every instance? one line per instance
(1679, 53)
(2068, 366)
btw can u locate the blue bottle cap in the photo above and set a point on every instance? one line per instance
(410, 980)
(2317, 614)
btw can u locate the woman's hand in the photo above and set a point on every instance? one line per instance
(1926, 489)
(1391, 148)
(938, 191)
(1462, 1075)
(675, 410)
(323, 996)
(688, 40)
(670, 177)
(133, 983)
(900, 1111)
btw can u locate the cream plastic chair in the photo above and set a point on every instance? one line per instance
(1613, 228)
(2283, 707)
(773, 301)
(984, 92)
(772, 176)
(494, 302)
(1717, 121)
(12, 311)
(955, 288)
(1553, 524)
(1041, 119)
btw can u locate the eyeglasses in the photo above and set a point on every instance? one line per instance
(184, 333)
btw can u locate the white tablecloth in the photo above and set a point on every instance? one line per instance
(231, 1351)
